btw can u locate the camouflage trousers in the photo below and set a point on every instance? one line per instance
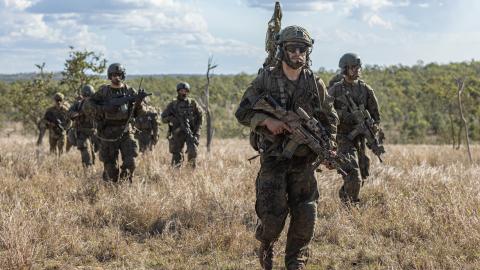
(84, 143)
(176, 144)
(56, 141)
(283, 187)
(109, 151)
(349, 192)
(145, 140)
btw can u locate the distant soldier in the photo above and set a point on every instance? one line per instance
(114, 114)
(57, 122)
(83, 132)
(184, 118)
(146, 128)
(354, 101)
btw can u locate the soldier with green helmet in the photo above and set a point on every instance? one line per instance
(114, 127)
(146, 128)
(184, 118)
(82, 134)
(286, 186)
(57, 122)
(353, 100)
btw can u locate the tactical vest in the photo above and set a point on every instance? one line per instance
(118, 113)
(82, 121)
(342, 102)
(306, 95)
(184, 109)
(144, 122)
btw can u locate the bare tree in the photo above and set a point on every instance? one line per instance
(461, 87)
(210, 68)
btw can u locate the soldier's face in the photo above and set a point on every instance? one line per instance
(182, 93)
(297, 54)
(354, 72)
(116, 78)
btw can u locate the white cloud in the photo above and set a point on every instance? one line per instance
(376, 20)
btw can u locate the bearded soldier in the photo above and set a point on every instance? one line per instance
(114, 120)
(354, 99)
(184, 118)
(83, 132)
(286, 186)
(146, 128)
(57, 122)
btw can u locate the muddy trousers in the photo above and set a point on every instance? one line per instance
(85, 146)
(176, 145)
(109, 151)
(287, 187)
(57, 142)
(355, 150)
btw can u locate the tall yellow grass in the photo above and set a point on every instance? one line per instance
(419, 210)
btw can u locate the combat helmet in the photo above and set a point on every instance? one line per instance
(183, 85)
(294, 33)
(87, 90)
(349, 59)
(116, 68)
(58, 96)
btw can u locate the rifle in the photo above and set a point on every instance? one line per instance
(365, 127)
(125, 99)
(186, 128)
(273, 28)
(306, 130)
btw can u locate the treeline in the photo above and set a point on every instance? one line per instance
(418, 103)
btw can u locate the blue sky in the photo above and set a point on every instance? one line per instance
(177, 36)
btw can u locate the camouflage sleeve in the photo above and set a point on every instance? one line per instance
(372, 105)
(91, 107)
(198, 116)
(168, 113)
(328, 116)
(245, 114)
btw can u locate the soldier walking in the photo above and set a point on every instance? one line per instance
(146, 128)
(286, 186)
(184, 118)
(83, 131)
(57, 122)
(114, 124)
(354, 100)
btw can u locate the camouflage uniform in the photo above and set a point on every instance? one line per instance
(57, 122)
(361, 94)
(175, 111)
(83, 132)
(286, 186)
(115, 132)
(146, 129)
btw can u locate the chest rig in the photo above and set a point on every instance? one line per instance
(184, 109)
(302, 93)
(119, 113)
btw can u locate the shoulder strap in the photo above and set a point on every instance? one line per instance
(283, 96)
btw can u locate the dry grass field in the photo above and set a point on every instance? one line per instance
(420, 210)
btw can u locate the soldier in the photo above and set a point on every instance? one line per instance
(57, 122)
(83, 131)
(114, 124)
(184, 118)
(146, 128)
(283, 185)
(351, 91)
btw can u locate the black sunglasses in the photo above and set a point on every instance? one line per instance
(294, 47)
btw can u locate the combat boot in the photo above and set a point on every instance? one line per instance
(265, 255)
